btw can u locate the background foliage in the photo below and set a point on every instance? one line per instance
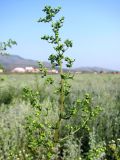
(104, 134)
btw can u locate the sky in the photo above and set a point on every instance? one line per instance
(92, 25)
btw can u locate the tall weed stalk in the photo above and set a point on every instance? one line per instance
(45, 137)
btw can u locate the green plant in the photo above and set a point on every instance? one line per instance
(3, 48)
(7, 95)
(45, 137)
(5, 45)
(57, 60)
(113, 150)
(1, 66)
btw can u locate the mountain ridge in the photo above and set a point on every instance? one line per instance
(9, 62)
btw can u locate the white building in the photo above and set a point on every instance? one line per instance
(29, 69)
(53, 71)
(1, 70)
(18, 70)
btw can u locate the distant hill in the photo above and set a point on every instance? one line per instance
(9, 62)
(91, 69)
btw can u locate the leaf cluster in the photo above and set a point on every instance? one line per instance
(5, 45)
(50, 13)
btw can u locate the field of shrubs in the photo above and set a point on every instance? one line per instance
(98, 139)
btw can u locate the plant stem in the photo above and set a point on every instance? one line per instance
(61, 106)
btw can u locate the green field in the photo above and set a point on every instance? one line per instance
(105, 128)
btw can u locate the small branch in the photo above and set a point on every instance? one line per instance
(75, 131)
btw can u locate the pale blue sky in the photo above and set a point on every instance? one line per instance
(92, 25)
